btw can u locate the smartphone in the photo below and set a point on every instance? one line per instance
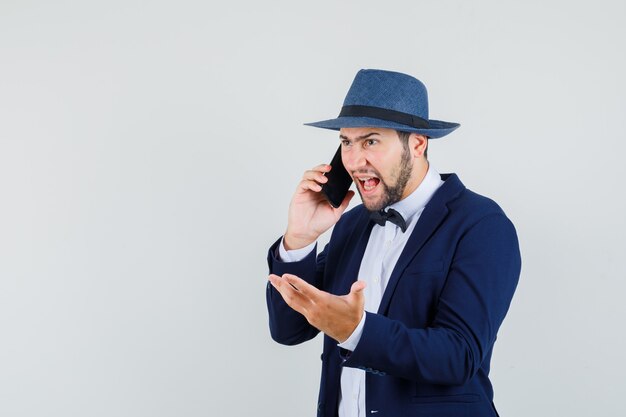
(339, 181)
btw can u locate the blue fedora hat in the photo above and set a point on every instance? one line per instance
(387, 99)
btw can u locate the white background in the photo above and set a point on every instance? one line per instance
(148, 151)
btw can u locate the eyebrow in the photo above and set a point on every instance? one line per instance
(358, 138)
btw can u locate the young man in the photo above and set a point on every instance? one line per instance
(414, 283)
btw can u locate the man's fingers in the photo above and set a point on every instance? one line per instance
(315, 176)
(303, 287)
(281, 285)
(292, 296)
(306, 185)
(356, 292)
(272, 279)
(322, 168)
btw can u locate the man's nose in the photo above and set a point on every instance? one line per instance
(353, 159)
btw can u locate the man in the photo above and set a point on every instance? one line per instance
(414, 283)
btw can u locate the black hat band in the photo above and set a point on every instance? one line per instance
(384, 114)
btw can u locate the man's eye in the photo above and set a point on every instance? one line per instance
(371, 142)
(345, 143)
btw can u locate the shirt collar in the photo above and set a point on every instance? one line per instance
(417, 200)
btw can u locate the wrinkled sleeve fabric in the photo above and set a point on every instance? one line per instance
(477, 293)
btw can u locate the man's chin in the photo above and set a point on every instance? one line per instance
(373, 205)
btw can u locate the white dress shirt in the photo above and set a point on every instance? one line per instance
(383, 249)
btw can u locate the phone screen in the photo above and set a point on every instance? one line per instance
(339, 181)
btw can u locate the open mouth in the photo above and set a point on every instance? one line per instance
(368, 183)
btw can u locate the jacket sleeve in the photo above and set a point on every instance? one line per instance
(477, 293)
(287, 326)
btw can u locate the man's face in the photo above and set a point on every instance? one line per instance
(379, 163)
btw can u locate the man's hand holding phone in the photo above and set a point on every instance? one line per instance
(310, 213)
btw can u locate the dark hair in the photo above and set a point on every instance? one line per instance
(404, 138)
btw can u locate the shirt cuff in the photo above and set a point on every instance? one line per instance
(294, 255)
(353, 340)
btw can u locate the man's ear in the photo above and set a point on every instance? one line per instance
(418, 144)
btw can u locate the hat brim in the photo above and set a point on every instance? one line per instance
(437, 128)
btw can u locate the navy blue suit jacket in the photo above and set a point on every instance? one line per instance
(427, 350)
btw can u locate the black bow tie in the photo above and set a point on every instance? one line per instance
(380, 217)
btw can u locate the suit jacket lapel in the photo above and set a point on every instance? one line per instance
(434, 213)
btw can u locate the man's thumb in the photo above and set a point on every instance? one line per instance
(357, 288)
